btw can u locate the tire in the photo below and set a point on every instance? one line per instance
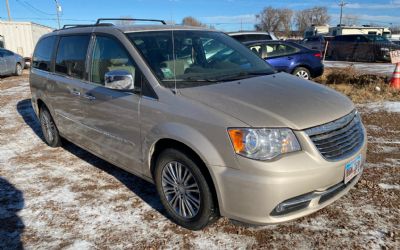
(49, 129)
(18, 69)
(302, 72)
(177, 198)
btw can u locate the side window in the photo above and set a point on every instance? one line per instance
(275, 50)
(71, 55)
(109, 54)
(42, 56)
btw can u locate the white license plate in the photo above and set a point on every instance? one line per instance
(352, 169)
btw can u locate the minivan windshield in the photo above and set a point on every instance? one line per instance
(196, 58)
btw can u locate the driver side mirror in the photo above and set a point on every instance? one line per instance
(119, 80)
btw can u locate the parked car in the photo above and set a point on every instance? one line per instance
(359, 48)
(289, 57)
(11, 63)
(316, 42)
(252, 36)
(218, 135)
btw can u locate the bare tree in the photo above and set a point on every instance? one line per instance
(272, 19)
(307, 17)
(191, 21)
(350, 19)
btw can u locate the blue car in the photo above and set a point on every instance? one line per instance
(289, 57)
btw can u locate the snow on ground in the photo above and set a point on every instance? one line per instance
(391, 107)
(67, 198)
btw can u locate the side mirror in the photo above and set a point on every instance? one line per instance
(119, 79)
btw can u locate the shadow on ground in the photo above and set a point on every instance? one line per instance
(11, 225)
(143, 189)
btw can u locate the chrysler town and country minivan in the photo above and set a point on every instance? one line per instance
(217, 130)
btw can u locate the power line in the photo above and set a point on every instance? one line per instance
(38, 10)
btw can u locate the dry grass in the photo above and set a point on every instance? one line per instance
(360, 88)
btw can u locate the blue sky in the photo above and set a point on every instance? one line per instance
(223, 14)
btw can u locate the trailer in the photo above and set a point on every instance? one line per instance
(21, 37)
(359, 30)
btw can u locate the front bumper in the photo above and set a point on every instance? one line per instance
(252, 193)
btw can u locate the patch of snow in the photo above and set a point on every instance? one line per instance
(389, 186)
(391, 107)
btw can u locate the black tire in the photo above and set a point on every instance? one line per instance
(206, 212)
(302, 72)
(18, 69)
(49, 128)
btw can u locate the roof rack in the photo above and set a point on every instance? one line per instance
(129, 19)
(69, 26)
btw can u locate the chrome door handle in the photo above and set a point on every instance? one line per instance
(75, 93)
(89, 97)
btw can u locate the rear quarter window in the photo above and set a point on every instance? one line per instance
(42, 56)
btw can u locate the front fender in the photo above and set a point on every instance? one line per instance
(185, 134)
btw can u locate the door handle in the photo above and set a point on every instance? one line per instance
(89, 97)
(75, 92)
(290, 58)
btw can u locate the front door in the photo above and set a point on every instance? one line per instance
(112, 116)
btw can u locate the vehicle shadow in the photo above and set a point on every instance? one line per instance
(11, 225)
(143, 189)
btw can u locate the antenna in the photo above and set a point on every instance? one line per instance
(173, 48)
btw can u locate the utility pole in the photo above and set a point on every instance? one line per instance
(8, 11)
(58, 10)
(341, 4)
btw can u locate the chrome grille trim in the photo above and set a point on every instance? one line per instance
(338, 139)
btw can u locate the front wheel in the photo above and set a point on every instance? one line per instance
(49, 129)
(302, 73)
(18, 69)
(184, 190)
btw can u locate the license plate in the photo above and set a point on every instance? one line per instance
(352, 169)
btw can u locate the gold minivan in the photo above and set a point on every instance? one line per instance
(213, 126)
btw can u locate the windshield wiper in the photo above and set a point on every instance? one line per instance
(242, 75)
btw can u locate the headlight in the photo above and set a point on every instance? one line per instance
(263, 144)
(385, 49)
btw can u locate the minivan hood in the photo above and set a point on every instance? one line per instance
(278, 100)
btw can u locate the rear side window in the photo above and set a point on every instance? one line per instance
(277, 49)
(71, 55)
(42, 56)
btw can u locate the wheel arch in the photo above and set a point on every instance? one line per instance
(166, 143)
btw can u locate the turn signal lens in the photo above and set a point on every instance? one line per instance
(237, 139)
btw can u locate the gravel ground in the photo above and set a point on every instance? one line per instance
(67, 198)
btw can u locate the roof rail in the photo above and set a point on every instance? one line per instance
(129, 19)
(70, 26)
(75, 25)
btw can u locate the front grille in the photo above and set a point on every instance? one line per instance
(338, 139)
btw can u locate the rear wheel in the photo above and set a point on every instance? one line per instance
(18, 69)
(184, 191)
(302, 73)
(49, 129)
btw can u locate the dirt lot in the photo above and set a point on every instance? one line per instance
(67, 198)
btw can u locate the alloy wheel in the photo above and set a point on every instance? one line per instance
(181, 190)
(48, 128)
(303, 74)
